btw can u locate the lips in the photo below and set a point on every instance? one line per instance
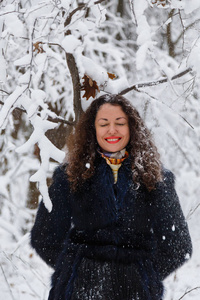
(113, 139)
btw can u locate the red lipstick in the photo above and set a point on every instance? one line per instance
(113, 139)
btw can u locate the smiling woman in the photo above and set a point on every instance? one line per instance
(112, 128)
(113, 202)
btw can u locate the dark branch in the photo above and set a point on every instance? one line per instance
(170, 43)
(136, 87)
(4, 92)
(76, 85)
(196, 288)
(80, 7)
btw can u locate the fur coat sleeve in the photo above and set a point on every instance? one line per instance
(174, 245)
(50, 229)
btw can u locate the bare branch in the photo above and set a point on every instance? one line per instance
(7, 283)
(61, 120)
(133, 12)
(80, 7)
(3, 92)
(136, 87)
(185, 29)
(196, 288)
(192, 211)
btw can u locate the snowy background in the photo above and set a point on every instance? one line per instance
(42, 45)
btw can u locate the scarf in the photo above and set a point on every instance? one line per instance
(114, 160)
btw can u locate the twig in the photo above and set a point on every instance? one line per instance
(133, 11)
(153, 83)
(196, 288)
(80, 7)
(4, 275)
(4, 92)
(185, 29)
(192, 211)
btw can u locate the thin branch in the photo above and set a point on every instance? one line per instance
(141, 91)
(9, 12)
(80, 7)
(185, 29)
(3, 92)
(61, 120)
(133, 12)
(180, 149)
(4, 275)
(196, 288)
(136, 87)
(183, 32)
(192, 211)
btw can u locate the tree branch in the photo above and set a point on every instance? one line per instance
(170, 43)
(3, 92)
(73, 67)
(196, 288)
(7, 283)
(76, 85)
(136, 87)
(80, 7)
(56, 120)
(184, 30)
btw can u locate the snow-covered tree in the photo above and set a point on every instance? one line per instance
(55, 57)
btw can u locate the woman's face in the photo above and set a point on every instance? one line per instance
(112, 128)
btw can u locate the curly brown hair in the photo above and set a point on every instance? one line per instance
(82, 146)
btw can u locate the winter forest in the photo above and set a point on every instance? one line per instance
(56, 56)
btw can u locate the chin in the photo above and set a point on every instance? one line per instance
(113, 149)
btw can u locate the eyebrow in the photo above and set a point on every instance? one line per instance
(104, 119)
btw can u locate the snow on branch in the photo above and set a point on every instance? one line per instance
(93, 71)
(137, 86)
(47, 149)
(9, 105)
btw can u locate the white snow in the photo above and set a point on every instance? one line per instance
(70, 43)
(188, 6)
(135, 51)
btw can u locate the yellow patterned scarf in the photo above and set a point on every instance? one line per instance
(114, 162)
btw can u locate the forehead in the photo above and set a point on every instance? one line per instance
(109, 111)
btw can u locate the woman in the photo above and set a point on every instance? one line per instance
(116, 229)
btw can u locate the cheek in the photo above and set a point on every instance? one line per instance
(99, 133)
(127, 133)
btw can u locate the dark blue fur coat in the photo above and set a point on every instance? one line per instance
(112, 222)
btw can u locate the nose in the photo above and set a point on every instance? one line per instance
(112, 129)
